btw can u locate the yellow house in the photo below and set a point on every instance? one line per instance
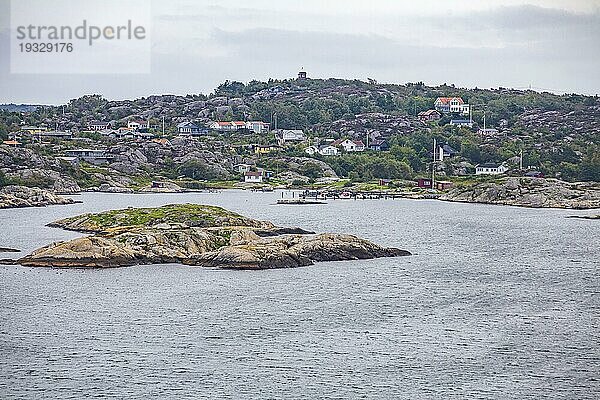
(258, 149)
(33, 129)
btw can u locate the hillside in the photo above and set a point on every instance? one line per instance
(558, 134)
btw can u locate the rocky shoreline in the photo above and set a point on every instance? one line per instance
(529, 192)
(196, 235)
(22, 196)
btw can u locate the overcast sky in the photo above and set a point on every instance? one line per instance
(548, 44)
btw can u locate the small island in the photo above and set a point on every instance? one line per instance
(198, 235)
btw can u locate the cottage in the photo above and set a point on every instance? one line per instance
(451, 105)
(54, 135)
(224, 126)
(487, 132)
(302, 75)
(425, 183)
(136, 125)
(253, 177)
(98, 126)
(379, 145)
(328, 150)
(311, 150)
(289, 135)
(430, 115)
(89, 155)
(258, 127)
(462, 122)
(243, 168)
(188, 129)
(33, 129)
(490, 169)
(260, 149)
(349, 146)
(443, 185)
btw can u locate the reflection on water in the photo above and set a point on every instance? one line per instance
(497, 302)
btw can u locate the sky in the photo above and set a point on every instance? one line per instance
(549, 45)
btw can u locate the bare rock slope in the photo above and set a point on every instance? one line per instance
(196, 235)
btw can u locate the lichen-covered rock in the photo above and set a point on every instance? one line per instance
(196, 235)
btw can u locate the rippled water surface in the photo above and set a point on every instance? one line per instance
(495, 303)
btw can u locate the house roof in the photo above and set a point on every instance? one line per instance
(489, 165)
(99, 123)
(11, 142)
(428, 112)
(238, 123)
(187, 124)
(447, 100)
(449, 149)
(358, 142)
(253, 173)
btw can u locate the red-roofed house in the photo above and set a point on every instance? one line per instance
(349, 145)
(451, 105)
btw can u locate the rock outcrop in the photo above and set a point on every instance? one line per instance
(196, 235)
(529, 192)
(22, 196)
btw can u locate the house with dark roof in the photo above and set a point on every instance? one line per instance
(379, 145)
(430, 115)
(188, 129)
(98, 125)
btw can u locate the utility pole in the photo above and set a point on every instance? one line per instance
(521, 160)
(163, 125)
(433, 165)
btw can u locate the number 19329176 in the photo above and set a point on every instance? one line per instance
(45, 47)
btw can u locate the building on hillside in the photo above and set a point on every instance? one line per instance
(242, 168)
(379, 145)
(225, 126)
(461, 122)
(302, 75)
(253, 177)
(89, 155)
(487, 132)
(266, 149)
(98, 126)
(284, 136)
(258, 127)
(188, 129)
(425, 183)
(311, 150)
(443, 185)
(348, 145)
(451, 105)
(54, 135)
(430, 115)
(328, 150)
(12, 142)
(136, 125)
(490, 169)
(33, 129)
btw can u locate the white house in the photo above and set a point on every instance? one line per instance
(490, 169)
(461, 122)
(243, 168)
(451, 104)
(253, 177)
(98, 126)
(311, 150)
(488, 132)
(349, 145)
(257, 127)
(328, 150)
(224, 126)
(137, 125)
(289, 135)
